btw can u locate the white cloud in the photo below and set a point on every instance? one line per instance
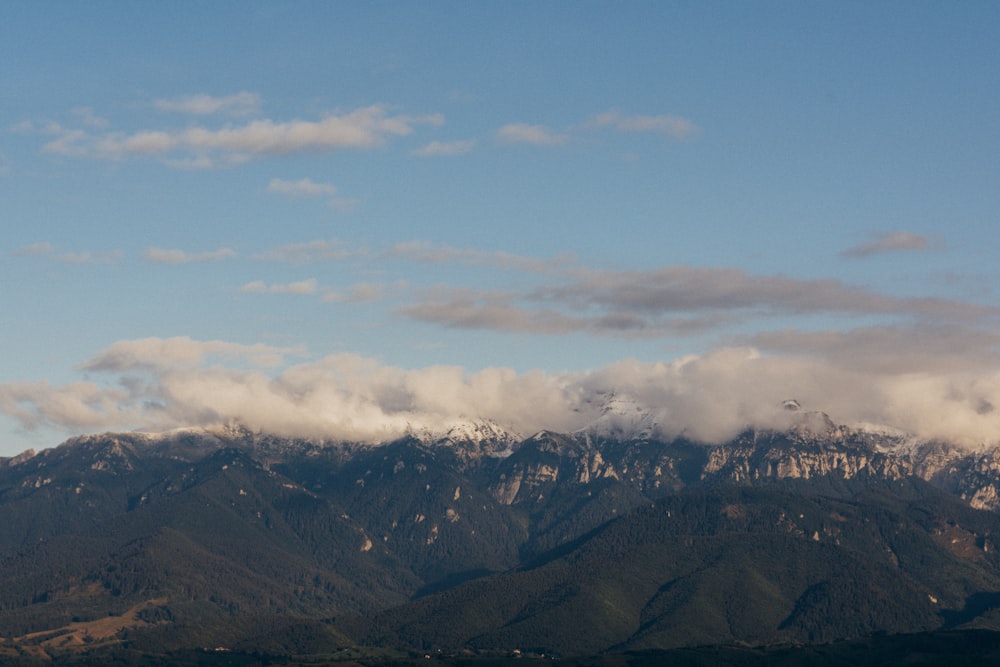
(42, 248)
(47, 250)
(673, 127)
(445, 148)
(319, 250)
(302, 188)
(173, 256)
(424, 251)
(898, 241)
(240, 104)
(69, 143)
(88, 117)
(87, 257)
(74, 407)
(23, 127)
(536, 135)
(168, 383)
(308, 286)
(343, 204)
(181, 351)
(199, 147)
(359, 293)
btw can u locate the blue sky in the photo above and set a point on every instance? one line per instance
(326, 218)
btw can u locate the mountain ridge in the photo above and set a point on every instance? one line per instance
(227, 523)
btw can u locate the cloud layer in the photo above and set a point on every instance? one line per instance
(159, 384)
(919, 364)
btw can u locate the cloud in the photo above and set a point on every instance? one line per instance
(23, 127)
(40, 249)
(536, 135)
(301, 287)
(672, 127)
(497, 310)
(158, 384)
(240, 104)
(669, 302)
(87, 257)
(88, 117)
(311, 251)
(684, 289)
(168, 256)
(889, 242)
(926, 346)
(424, 251)
(68, 143)
(343, 204)
(302, 188)
(47, 250)
(308, 188)
(493, 310)
(445, 148)
(76, 406)
(666, 125)
(199, 147)
(181, 352)
(359, 293)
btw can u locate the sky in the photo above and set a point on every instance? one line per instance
(348, 220)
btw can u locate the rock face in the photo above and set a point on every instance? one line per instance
(619, 445)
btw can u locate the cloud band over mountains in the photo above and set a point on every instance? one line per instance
(925, 365)
(160, 384)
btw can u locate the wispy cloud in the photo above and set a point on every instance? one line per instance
(89, 117)
(359, 293)
(673, 127)
(48, 251)
(305, 287)
(40, 249)
(535, 135)
(423, 251)
(301, 188)
(319, 250)
(924, 347)
(87, 257)
(240, 104)
(68, 142)
(898, 241)
(306, 187)
(173, 256)
(671, 301)
(499, 310)
(445, 148)
(183, 352)
(684, 288)
(669, 126)
(202, 147)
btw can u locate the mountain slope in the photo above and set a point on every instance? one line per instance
(746, 565)
(601, 539)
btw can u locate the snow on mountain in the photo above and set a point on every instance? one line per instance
(621, 418)
(489, 435)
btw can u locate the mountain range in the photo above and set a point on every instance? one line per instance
(477, 539)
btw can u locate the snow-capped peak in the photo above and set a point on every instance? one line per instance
(621, 417)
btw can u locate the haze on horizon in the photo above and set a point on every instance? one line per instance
(337, 220)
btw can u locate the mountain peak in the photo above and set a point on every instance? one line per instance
(621, 417)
